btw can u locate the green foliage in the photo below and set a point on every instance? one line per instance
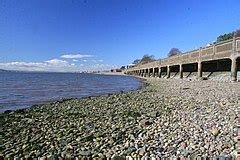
(237, 33)
(136, 61)
(173, 52)
(123, 67)
(225, 37)
(147, 58)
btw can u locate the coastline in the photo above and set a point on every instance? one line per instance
(155, 120)
(92, 87)
(112, 73)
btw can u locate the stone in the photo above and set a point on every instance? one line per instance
(196, 117)
(141, 152)
(145, 122)
(85, 153)
(129, 151)
(214, 131)
(116, 157)
(27, 120)
(154, 114)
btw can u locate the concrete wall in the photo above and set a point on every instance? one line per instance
(223, 56)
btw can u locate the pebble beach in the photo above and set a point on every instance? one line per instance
(165, 118)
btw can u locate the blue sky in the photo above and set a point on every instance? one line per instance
(101, 34)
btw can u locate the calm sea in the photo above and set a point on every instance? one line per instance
(23, 89)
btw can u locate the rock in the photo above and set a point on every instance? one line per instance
(206, 146)
(28, 120)
(154, 114)
(117, 157)
(42, 158)
(69, 147)
(7, 111)
(183, 145)
(78, 139)
(24, 146)
(101, 156)
(85, 153)
(126, 123)
(214, 131)
(87, 138)
(145, 122)
(129, 151)
(111, 141)
(141, 152)
(22, 111)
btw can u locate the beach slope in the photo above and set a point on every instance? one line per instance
(165, 118)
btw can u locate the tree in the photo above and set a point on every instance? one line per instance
(136, 61)
(147, 58)
(173, 52)
(123, 67)
(225, 37)
(237, 33)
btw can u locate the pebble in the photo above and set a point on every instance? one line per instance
(166, 117)
(85, 153)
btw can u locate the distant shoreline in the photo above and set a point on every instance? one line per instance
(111, 73)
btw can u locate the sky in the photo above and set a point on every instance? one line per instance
(80, 35)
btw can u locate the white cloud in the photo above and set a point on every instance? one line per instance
(23, 64)
(84, 60)
(49, 65)
(55, 65)
(57, 62)
(76, 56)
(28, 66)
(75, 60)
(95, 61)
